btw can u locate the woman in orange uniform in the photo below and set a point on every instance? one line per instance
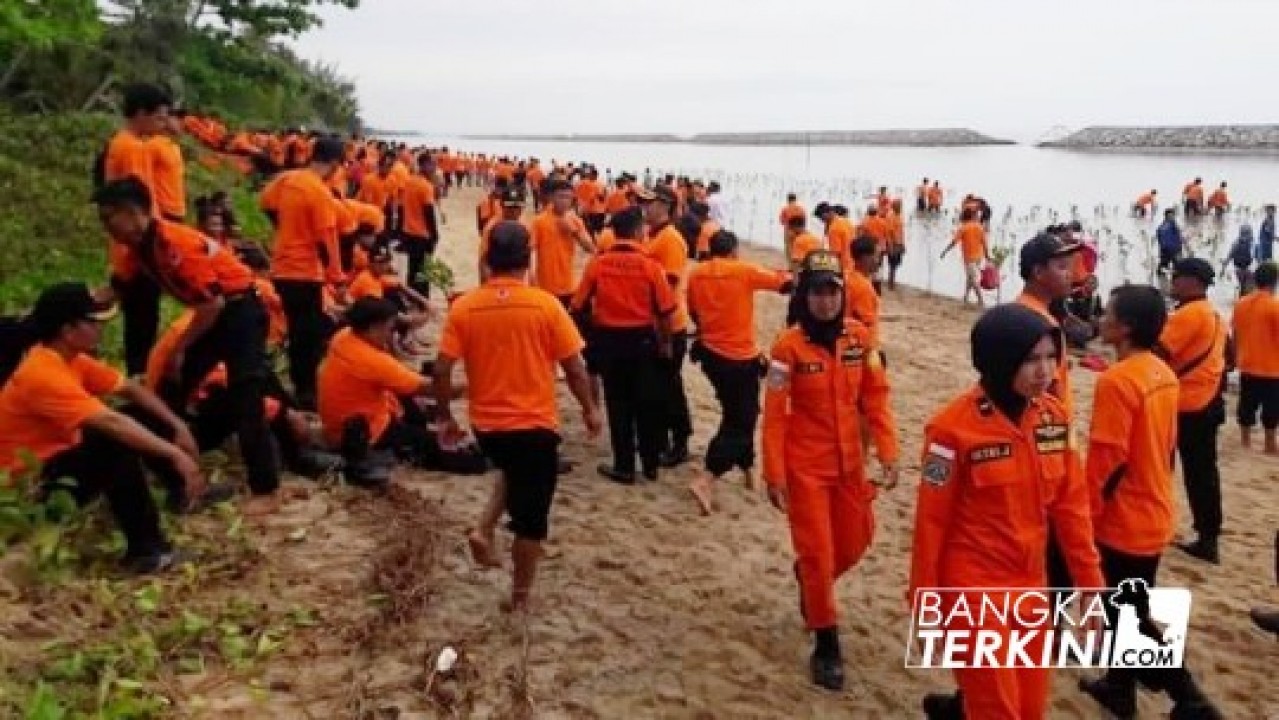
(998, 467)
(823, 375)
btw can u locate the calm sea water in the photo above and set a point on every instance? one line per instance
(1027, 187)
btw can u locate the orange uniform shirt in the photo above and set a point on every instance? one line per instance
(971, 237)
(839, 239)
(667, 247)
(813, 403)
(896, 229)
(168, 173)
(1130, 450)
(789, 211)
(590, 196)
(879, 229)
(721, 296)
(306, 233)
(510, 337)
(419, 195)
(1146, 200)
(555, 249)
(1218, 199)
(187, 264)
(1256, 328)
(989, 490)
(278, 327)
(376, 190)
(861, 302)
(1060, 388)
(1196, 335)
(126, 155)
(46, 400)
(802, 245)
(358, 378)
(624, 289)
(1193, 192)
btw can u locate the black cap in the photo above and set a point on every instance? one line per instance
(822, 208)
(63, 304)
(512, 197)
(328, 149)
(508, 246)
(1044, 247)
(1194, 267)
(821, 267)
(661, 193)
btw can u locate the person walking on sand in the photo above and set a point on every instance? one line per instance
(800, 242)
(840, 231)
(1255, 324)
(721, 301)
(509, 337)
(1194, 343)
(792, 209)
(971, 238)
(823, 376)
(896, 242)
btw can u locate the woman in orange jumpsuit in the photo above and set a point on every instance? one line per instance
(999, 466)
(823, 375)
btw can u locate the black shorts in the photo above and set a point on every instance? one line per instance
(1258, 394)
(529, 460)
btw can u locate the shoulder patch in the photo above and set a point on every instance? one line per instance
(778, 375)
(1052, 438)
(853, 355)
(939, 464)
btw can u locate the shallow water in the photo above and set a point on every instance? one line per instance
(1027, 187)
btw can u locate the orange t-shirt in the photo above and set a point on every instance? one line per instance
(862, 302)
(1256, 327)
(1218, 199)
(306, 227)
(188, 265)
(47, 399)
(1146, 200)
(789, 211)
(419, 194)
(802, 245)
(170, 186)
(879, 229)
(376, 190)
(1191, 331)
(721, 296)
(127, 154)
(668, 248)
(625, 289)
(839, 239)
(554, 249)
(896, 229)
(278, 326)
(972, 241)
(1194, 192)
(510, 337)
(358, 378)
(1130, 449)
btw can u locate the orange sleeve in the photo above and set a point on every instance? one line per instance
(876, 407)
(1071, 514)
(382, 368)
(1178, 334)
(97, 377)
(1108, 438)
(776, 410)
(663, 295)
(939, 491)
(566, 340)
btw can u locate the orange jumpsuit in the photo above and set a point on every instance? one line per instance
(989, 490)
(813, 446)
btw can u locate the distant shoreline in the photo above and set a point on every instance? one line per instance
(1178, 140)
(950, 137)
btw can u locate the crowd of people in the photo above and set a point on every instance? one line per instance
(1005, 498)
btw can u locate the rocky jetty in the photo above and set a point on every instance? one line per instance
(657, 138)
(952, 137)
(1206, 138)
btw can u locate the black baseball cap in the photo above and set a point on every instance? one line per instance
(1044, 247)
(1194, 267)
(821, 267)
(66, 303)
(512, 197)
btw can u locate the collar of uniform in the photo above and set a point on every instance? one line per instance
(1191, 301)
(627, 245)
(843, 333)
(504, 282)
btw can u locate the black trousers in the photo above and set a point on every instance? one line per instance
(213, 421)
(238, 339)
(629, 370)
(140, 303)
(1117, 566)
(303, 302)
(102, 465)
(418, 250)
(736, 384)
(1197, 445)
(678, 423)
(1258, 394)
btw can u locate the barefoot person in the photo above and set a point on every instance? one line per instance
(1129, 475)
(1256, 331)
(821, 378)
(998, 467)
(510, 337)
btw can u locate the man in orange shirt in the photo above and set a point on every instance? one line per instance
(1192, 198)
(626, 305)
(921, 197)
(861, 300)
(721, 301)
(229, 326)
(821, 383)
(306, 255)
(1219, 201)
(512, 203)
(130, 153)
(1145, 205)
(590, 201)
(421, 228)
(1194, 344)
(935, 197)
(876, 226)
(1129, 476)
(379, 189)
(792, 209)
(971, 238)
(840, 232)
(800, 242)
(1256, 332)
(666, 245)
(510, 337)
(896, 242)
(556, 232)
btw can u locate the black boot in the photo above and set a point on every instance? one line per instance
(827, 664)
(676, 456)
(944, 706)
(364, 468)
(1189, 702)
(1119, 699)
(1266, 618)
(1205, 548)
(617, 476)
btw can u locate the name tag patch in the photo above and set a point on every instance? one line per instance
(1052, 438)
(988, 453)
(809, 368)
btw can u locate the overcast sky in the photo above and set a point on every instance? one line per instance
(1009, 67)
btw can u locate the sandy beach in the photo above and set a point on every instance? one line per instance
(646, 609)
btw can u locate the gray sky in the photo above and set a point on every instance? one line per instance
(1009, 67)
